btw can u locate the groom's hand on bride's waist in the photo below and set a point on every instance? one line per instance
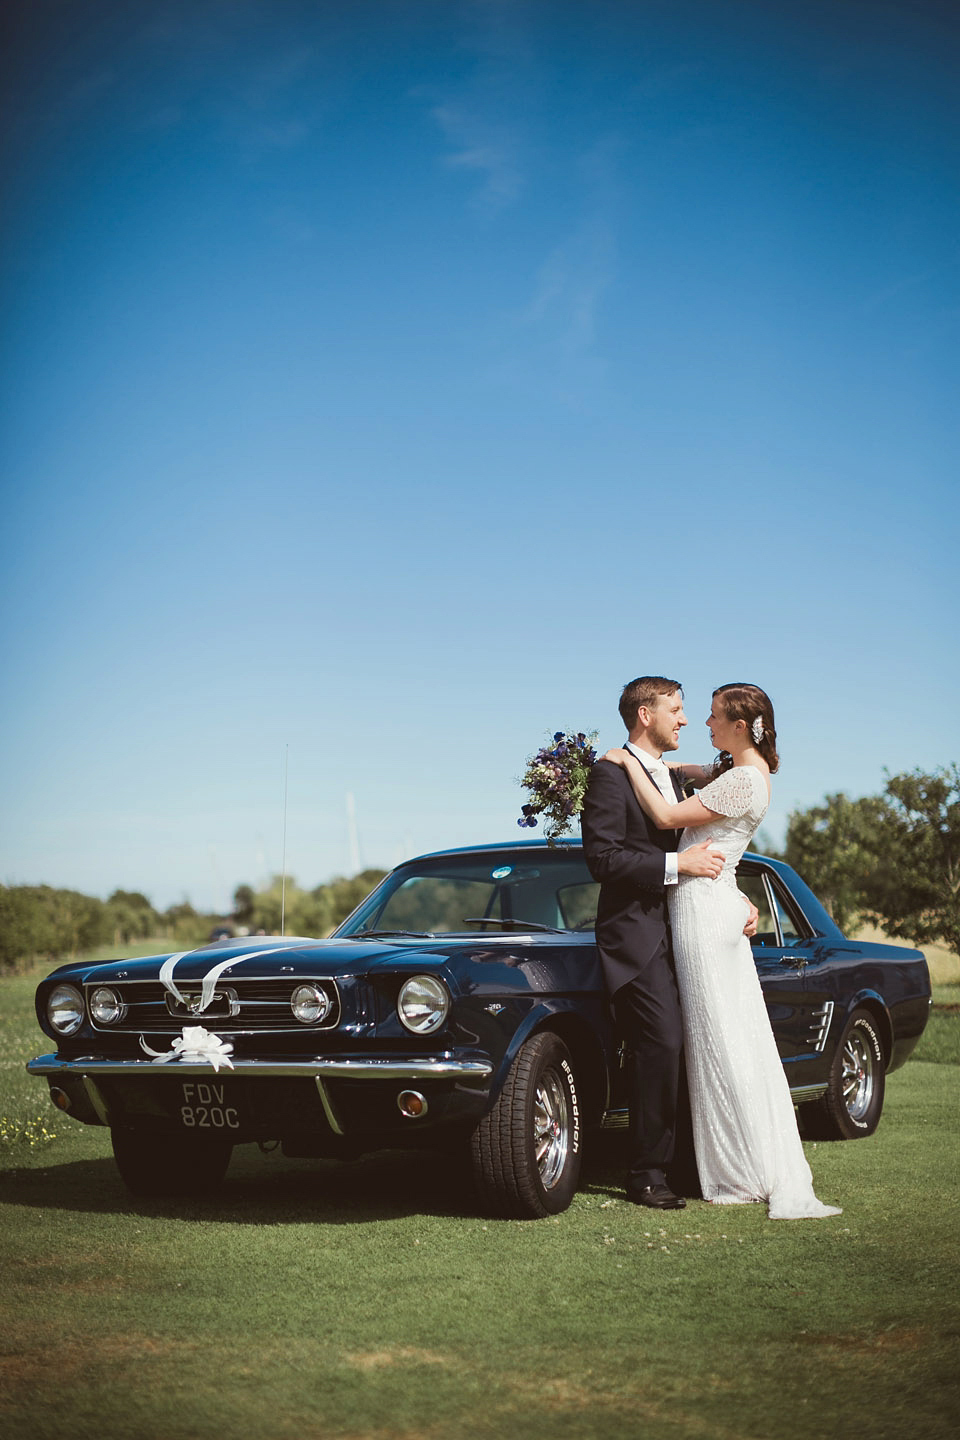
(700, 860)
(753, 922)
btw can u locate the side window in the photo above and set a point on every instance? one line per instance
(578, 905)
(755, 890)
(793, 927)
(780, 923)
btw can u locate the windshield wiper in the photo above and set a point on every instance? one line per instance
(512, 924)
(381, 934)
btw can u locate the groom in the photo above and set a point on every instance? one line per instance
(634, 863)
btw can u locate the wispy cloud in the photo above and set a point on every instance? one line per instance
(570, 287)
(487, 147)
(561, 327)
(494, 121)
(487, 118)
(912, 282)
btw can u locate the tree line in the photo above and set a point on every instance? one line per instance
(892, 859)
(43, 922)
(305, 912)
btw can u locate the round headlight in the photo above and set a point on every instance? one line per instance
(105, 1006)
(310, 1004)
(65, 1009)
(423, 1003)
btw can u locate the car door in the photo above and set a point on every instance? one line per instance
(784, 952)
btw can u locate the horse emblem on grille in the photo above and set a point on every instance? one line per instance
(191, 1003)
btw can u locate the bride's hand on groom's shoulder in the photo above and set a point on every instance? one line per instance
(616, 757)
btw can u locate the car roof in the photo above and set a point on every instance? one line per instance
(497, 846)
(571, 842)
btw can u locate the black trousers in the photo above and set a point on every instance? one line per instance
(647, 1013)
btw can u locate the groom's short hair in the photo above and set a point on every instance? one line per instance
(645, 690)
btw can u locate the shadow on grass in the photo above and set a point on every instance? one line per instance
(271, 1189)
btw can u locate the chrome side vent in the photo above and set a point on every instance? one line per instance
(820, 1028)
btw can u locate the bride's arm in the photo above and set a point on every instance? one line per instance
(664, 816)
(697, 775)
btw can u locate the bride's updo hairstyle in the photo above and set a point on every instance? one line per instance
(751, 705)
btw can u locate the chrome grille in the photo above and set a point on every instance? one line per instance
(262, 1005)
(224, 1002)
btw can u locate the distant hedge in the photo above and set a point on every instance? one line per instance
(304, 912)
(41, 922)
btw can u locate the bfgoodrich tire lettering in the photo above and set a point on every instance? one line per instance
(168, 1162)
(525, 1153)
(853, 1103)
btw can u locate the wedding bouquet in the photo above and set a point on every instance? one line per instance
(556, 778)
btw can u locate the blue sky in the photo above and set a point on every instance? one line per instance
(385, 384)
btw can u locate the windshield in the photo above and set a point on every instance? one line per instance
(491, 893)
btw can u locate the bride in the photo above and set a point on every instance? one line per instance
(745, 1131)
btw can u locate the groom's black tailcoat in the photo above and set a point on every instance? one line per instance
(625, 852)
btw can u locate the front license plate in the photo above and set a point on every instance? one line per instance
(206, 1106)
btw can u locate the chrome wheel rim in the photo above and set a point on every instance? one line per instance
(858, 1074)
(551, 1129)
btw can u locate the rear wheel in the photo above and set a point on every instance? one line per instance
(853, 1102)
(525, 1154)
(167, 1162)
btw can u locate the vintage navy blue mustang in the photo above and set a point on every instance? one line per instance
(461, 1002)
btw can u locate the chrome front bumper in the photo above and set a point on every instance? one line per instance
(89, 1070)
(316, 1067)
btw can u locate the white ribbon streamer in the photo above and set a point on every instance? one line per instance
(166, 975)
(209, 981)
(197, 1045)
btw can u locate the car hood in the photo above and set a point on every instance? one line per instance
(268, 956)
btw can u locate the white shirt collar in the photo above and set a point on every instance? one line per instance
(648, 761)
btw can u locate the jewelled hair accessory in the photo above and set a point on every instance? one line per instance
(756, 730)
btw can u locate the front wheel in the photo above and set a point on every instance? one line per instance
(853, 1102)
(525, 1153)
(162, 1162)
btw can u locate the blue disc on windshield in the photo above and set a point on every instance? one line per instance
(502, 873)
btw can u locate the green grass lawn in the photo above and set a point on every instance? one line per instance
(370, 1302)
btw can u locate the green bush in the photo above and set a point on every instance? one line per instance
(37, 920)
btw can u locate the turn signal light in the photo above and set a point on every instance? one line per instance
(412, 1103)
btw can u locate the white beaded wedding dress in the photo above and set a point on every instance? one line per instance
(745, 1130)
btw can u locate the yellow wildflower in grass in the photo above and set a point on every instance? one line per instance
(16, 1131)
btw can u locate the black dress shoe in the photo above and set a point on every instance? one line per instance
(657, 1197)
